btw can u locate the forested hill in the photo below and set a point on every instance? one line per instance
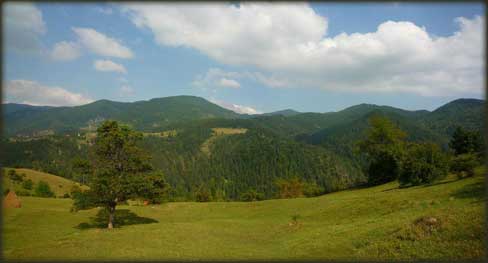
(202, 147)
(166, 113)
(154, 114)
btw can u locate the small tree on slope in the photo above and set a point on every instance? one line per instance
(121, 170)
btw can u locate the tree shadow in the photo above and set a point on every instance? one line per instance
(123, 217)
(474, 191)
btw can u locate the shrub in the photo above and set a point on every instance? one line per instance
(43, 190)
(251, 195)
(385, 168)
(463, 165)
(27, 184)
(5, 192)
(15, 177)
(202, 195)
(290, 188)
(313, 189)
(75, 189)
(66, 195)
(422, 164)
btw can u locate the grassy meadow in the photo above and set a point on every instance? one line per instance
(377, 223)
(58, 185)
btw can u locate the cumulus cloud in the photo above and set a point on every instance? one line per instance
(291, 41)
(235, 107)
(34, 93)
(23, 25)
(65, 51)
(216, 77)
(229, 83)
(101, 44)
(107, 65)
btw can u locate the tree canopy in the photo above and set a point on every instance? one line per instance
(121, 170)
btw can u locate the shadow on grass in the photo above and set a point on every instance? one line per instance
(474, 190)
(123, 217)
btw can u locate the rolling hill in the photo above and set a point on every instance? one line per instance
(382, 223)
(58, 185)
(151, 115)
(315, 147)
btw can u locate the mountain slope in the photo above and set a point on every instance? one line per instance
(142, 115)
(468, 113)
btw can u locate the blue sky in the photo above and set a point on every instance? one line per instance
(250, 58)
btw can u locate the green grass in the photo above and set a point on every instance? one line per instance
(377, 223)
(58, 185)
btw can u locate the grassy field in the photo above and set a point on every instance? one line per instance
(58, 185)
(377, 223)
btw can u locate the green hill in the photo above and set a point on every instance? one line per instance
(316, 147)
(58, 185)
(469, 113)
(154, 114)
(444, 221)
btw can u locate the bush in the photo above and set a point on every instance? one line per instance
(15, 177)
(66, 195)
(202, 195)
(43, 190)
(5, 192)
(463, 165)
(290, 188)
(251, 195)
(312, 189)
(28, 184)
(422, 164)
(383, 169)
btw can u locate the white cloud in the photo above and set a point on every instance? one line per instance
(107, 65)
(126, 91)
(229, 83)
(23, 25)
(235, 107)
(291, 41)
(215, 77)
(65, 51)
(34, 93)
(101, 44)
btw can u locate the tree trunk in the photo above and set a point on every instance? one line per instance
(111, 216)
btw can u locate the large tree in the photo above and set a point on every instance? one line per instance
(121, 170)
(383, 146)
(466, 142)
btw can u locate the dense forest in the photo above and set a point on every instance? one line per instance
(316, 150)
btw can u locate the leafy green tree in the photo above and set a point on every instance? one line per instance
(463, 165)
(466, 141)
(423, 163)
(120, 168)
(383, 147)
(82, 169)
(43, 190)
(27, 184)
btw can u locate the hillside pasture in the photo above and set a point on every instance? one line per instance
(443, 221)
(58, 185)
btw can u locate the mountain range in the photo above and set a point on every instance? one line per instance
(198, 144)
